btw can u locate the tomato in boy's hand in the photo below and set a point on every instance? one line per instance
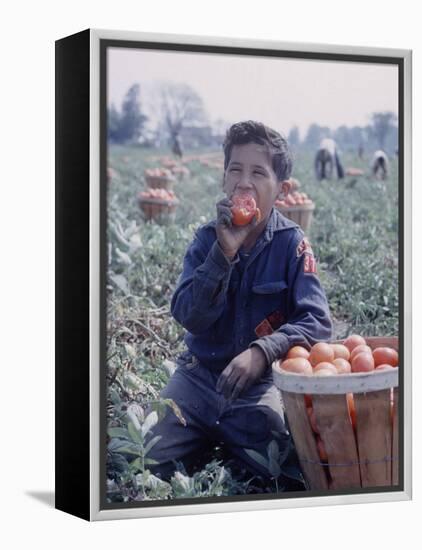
(244, 209)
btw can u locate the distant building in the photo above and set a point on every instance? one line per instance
(194, 137)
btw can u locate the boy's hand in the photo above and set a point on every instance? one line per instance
(243, 371)
(231, 237)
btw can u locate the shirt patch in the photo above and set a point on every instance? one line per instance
(309, 264)
(304, 246)
(264, 328)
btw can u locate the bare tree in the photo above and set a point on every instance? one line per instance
(180, 106)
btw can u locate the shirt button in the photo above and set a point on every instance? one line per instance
(217, 422)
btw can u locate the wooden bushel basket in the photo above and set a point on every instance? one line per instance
(365, 457)
(300, 214)
(159, 210)
(160, 182)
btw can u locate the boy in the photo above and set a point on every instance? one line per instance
(245, 296)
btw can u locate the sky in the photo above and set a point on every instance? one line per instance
(279, 92)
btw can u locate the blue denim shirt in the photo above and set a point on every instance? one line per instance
(271, 298)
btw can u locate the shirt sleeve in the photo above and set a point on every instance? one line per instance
(200, 296)
(309, 318)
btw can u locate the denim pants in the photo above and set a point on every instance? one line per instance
(245, 423)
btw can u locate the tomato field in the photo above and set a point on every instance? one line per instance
(354, 235)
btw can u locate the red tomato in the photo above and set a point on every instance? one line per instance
(363, 362)
(297, 351)
(342, 366)
(340, 351)
(384, 367)
(244, 209)
(354, 340)
(387, 356)
(359, 349)
(290, 200)
(299, 365)
(321, 352)
(324, 365)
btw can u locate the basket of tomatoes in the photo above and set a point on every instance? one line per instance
(298, 207)
(341, 402)
(158, 204)
(295, 184)
(159, 178)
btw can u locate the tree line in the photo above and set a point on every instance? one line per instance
(179, 106)
(380, 133)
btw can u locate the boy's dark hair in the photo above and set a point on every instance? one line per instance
(251, 131)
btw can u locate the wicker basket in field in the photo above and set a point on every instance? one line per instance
(159, 182)
(300, 214)
(159, 210)
(360, 453)
(295, 184)
(159, 178)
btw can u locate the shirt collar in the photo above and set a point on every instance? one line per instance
(277, 222)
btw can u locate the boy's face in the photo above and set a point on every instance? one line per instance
(250, 172)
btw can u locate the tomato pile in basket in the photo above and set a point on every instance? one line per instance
(293, 199)
(325, 359)
(158, 172)
(329, 359)
(157, 193)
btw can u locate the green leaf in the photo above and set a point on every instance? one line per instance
(118, 432)
(123, 257)
(150, 421)
(115, 445)
(150, 461)
(119, 233)
(134, 434)
(288, 447)
(258, 458)
(129, 451)
(115, 397)
(121, 282)
(130, 350)
(118, 463)
(273, 451)
(151, 444)
(132, 381)
(274, 467)
(135, 413)
(136, 464)
(160, 407)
